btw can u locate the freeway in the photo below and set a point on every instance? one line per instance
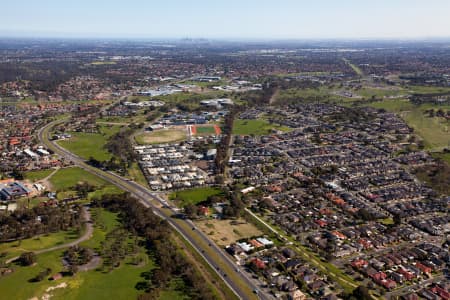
(239, 282)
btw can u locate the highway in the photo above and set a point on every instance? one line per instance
(238, 281)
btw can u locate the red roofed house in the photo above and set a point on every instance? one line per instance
(359, 263)
(258, 263)
(423, 268)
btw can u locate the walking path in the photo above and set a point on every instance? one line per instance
(86, 235)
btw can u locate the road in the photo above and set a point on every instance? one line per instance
(239, 282)
(86, 235)
(305, 254)
(413, 288)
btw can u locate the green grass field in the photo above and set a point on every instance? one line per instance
(37, 175)
(116, 119)
(255, 127)
(104, 222)
(94, 284)
(107, 189)
(428, 89)
(444, 156)
(86, 145)
(69, 177)
(174, 292)
(138, 118)
(368, 92)
(13, 249)
(355, 68)
(393, 105)
(16, 285)
(434, 131)
(194, 196)
(205, 130)
(136, 174)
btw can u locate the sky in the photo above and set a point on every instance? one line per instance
(226, 19)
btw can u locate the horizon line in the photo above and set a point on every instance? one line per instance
(228, 39)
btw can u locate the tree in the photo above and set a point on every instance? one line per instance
(397, 219)
(191, 210)
(362, 293)
(84, 188)
(72, 269)
(27, 258)
(18, 175)
(41, 275)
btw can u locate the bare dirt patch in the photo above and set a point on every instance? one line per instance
(161, 136)
(226, 232)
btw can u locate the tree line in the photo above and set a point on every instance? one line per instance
(142, 222)
(26, 223)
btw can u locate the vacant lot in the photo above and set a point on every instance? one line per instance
(255, 127)
(37, 175)
(88, 145)
(69, 177)
(161, 136)
(194, 196)
(226, 232)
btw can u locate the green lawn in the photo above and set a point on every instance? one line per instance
(255, 127)
(355, 68)
(428, 89)
(434, 131)
(108, 189)
(16, 285)
(86, 145)
(187, 99)
(139, 117)
(205, 130)
(174, 291)
(136, 174)
(95, 284)
(368, 92)
(116, 119)
(117, 284)
(393, 105)
(194, 196)
(104, 222)
(23, 202)
(12, 249)
(69, 177)
(388, 221)
(37, 175)
(444, 156)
